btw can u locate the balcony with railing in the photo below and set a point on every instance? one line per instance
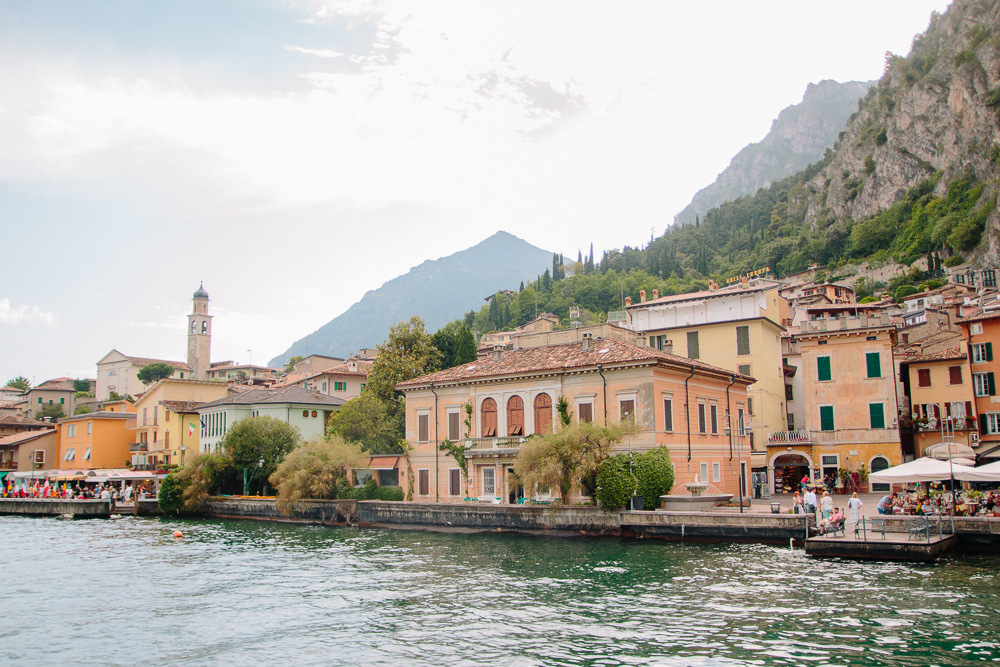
(7, 466)
(932, 424)
(798, 437)
(491, 446)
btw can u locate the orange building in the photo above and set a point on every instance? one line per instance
(95, 440)
(981, 334)
(673, 401)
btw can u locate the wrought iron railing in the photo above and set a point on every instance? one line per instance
(789, 437)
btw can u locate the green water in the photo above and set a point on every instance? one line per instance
(125, 592)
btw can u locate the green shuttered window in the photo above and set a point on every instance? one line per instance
(692, 340)
(823, 369)
(876, 414)
(826, 418)
(874, 364)
(742, 340)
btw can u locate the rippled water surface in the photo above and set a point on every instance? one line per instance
(126, 592)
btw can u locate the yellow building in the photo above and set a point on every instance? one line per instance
(736, 328)
(940, 387)
(846, 372)
(167, 427)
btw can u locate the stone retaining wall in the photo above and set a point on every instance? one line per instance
(55, 507)
(312, 511)
(532, 518)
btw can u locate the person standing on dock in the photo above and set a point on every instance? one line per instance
(809, 501)
(827, 505)
(854, 506)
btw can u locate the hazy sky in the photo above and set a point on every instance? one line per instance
(294, 155)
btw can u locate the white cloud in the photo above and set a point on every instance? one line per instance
(23, 314)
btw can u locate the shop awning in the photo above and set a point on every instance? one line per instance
(67, 478)
(953, 450)
(923, 469)
(383, 463)
(987, 473)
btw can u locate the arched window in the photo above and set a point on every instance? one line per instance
(193, 325)
(515, 416)
(543, 414)
(204, 326)
(489, 418)
(879, 463)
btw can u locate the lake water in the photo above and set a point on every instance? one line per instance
(125, 592)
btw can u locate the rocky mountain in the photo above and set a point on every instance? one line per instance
(932, 118)
(438, 290)
(798, 137)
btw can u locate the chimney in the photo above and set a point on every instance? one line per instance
(668, 346)
(713, 286)
(628, 301)
(927, 288)
(656, 293)
(587, 339)
(497, 352)
(744, 282)
(354, 365)
(642, 296)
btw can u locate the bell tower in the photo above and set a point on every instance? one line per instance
(200, 336)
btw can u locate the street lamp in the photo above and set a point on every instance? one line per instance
(260, 466)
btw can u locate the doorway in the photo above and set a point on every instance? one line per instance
(515, 492)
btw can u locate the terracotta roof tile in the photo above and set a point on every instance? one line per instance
(21, 421)
(181, 406)
(275, 395)
(27, 436)
(608, 352)
(954, 354)
(979, 317)
(143, 361)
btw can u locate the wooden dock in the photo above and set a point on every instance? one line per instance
(894, 546)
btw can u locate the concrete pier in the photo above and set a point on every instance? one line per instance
(895, 546)
(716, 526)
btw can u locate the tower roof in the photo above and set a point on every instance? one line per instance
(201, 293)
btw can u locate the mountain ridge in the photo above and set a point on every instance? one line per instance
(439, 290)
(798, 137)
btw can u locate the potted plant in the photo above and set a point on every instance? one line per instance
(843, 474)
(863, 479)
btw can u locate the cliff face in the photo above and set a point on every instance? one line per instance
(933, 110)
(798, 137)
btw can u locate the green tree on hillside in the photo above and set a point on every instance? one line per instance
(155, 372)
(19, 382)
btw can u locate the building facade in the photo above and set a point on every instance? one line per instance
(981, 335)
(939, 388)
(167, 427)
(308, 411)
(738, 329)
(664, 399)
(846, 397)
(96, 440)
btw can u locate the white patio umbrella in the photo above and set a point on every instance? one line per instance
(987, 473)
(923, 469)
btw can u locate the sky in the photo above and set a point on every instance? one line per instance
(295, 155)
